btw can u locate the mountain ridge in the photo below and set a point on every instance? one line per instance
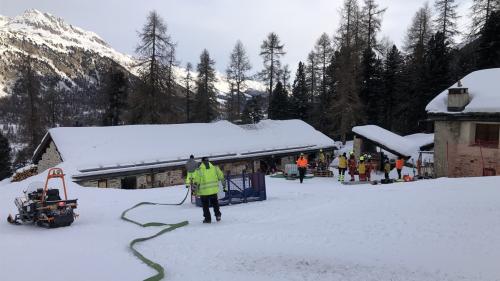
(66, 51)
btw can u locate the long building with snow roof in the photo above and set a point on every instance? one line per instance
(466, 120)
(143, 156)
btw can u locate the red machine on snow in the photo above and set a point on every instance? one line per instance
(44, 206)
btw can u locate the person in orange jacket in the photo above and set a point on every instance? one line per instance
(302, 167)
(352, 165)
(399, 166)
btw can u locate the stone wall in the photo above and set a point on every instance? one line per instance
(236, 168)
(50, 158)
(160, 179)
(453, 142)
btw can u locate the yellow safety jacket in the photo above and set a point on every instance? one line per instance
(207, 180)
(342, 162)
(322, 157)
(362, 168)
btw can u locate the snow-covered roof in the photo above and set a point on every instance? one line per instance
(421, 139)
(388, 140)
(483, 90)
(94, 148)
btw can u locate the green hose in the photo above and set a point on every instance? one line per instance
(159, 269)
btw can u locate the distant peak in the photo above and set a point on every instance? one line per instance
(35, 13)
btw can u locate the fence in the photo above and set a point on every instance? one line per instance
(473, 160)
(242, 188)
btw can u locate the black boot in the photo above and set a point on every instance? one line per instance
(207, 221)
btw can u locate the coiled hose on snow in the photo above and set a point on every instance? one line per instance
(169, 227)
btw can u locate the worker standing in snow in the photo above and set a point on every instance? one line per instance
(399, 166)
(322, 160)
(302, 167)
(369, 167)
(352, 165)
(207, 178)
(387, 169)
(342, 166)
(191, 166)
(362, 169)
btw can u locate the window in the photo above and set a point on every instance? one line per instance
(487, 135)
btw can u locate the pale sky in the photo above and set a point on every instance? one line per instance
(217, 24)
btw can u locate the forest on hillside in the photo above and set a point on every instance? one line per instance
(349, 78)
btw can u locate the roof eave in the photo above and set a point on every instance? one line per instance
(464, 116)
(135, 170)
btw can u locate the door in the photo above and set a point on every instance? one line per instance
(129, 182)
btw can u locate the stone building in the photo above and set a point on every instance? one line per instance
(466, 120)
(145, 156)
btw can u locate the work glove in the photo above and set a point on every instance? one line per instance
(224, 188)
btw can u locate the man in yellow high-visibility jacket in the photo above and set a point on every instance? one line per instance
(207, 178)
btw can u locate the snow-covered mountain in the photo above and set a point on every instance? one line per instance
(58, 48)
(66, 51)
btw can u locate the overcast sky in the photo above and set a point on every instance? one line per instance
(217, 24)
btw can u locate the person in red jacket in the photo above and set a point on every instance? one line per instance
(302, 167)
(352, 165)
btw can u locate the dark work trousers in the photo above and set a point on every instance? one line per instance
(302, 174)
(342, 171)
(399, 173)
(206, 201)
(386, 174)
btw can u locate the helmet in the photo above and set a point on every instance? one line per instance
(362, 158)
(351, 152)
(321, 150)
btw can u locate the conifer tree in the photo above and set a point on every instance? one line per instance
(284, 77)
(271, 51)
(446, 19)
(188, 80)
(115, 92)
(393, 97)
(5, 158)
(151, 102)
(417, 38)
(312, 74)
(371, 91)
(253, 113)
(237, 74)
(206, 106)
(480, 13)
(323, 52)
(279, 106)
(488, 52)
(419, 32)
(372, 21)
(300, 101)
(53, 102)
(26, 93)
(347, 109)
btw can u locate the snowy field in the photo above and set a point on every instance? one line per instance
(444, 229)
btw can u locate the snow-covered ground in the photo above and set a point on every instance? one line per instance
(444, 229)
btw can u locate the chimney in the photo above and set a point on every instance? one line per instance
(458, 98)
